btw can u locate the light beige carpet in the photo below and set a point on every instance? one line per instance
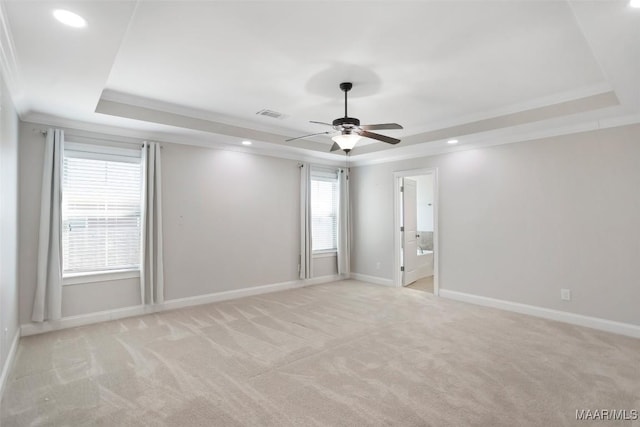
(425, 284)
(346, 354)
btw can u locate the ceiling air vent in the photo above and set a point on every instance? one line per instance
(271, 113)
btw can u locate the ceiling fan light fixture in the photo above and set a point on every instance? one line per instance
(346, 141)
(69, 18)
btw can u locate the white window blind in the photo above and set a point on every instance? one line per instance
(324, 211)
(101, 210)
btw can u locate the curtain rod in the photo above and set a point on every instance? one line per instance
(44, 132)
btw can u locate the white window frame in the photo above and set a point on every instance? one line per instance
(102, 152)
(328, 174)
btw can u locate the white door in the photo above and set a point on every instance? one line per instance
(410, 234)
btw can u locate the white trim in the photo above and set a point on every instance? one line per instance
(323, 279)
(194, 113)
(325, 253)
(246, 292)
(99, 276)
(134, 107)
(372, 279)
(324, 173)
(8, 363)
(77, 129)
(139, 310)
(522, 107)
(500, 136)
(397, 235)
(102, 151)
(627, 329)
(9, 64)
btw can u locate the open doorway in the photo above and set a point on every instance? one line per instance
(416, 230)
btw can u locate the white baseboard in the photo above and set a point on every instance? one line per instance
(138, 310)
(246, 292)
(627, 329)
(324, 279)
(81, 320)
(9, 362)
(372, 279)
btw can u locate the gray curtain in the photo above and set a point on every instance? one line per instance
(304, 266)
(47, 303)
(344, 253)
(152, 270)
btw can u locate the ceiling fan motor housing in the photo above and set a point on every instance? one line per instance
(346, 122)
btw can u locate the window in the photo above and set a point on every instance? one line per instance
(324, 211)
(101, 209)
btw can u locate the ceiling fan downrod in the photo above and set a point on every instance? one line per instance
(351, 122)
(345, 87)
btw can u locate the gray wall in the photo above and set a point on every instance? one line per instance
(520, 221)
(324, 265)
(8, 222)
(231, 221)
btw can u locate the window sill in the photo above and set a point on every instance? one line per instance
(99, 276)
(324, 254)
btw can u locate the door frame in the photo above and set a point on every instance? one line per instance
(397, 234)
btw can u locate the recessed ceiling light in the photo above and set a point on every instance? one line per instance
(452, 141)
(69, 18)
(246, 142)
(634, 3)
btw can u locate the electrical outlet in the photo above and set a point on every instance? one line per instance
(378, 265)
(565, 294)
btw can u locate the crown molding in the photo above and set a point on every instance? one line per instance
(9, 64)
(489, 139)
(553, 111)
(522, 107)
(161, 117)
(40, 122)
(536, 111)
(426, 149)
(195, 113)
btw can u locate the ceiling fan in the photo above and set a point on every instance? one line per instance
(350, 130)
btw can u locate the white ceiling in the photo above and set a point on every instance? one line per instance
(471, 70)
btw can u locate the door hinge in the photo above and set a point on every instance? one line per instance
(401, 268)
(401, 228)
(402, 189)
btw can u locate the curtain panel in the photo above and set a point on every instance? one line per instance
(304, 265)
(152, 269)
(344, 252)
(47, 303)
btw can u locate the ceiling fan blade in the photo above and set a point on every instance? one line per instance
(381, 126)
(379, 137)
(322, 123)
(307, 136)
(335, 147)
